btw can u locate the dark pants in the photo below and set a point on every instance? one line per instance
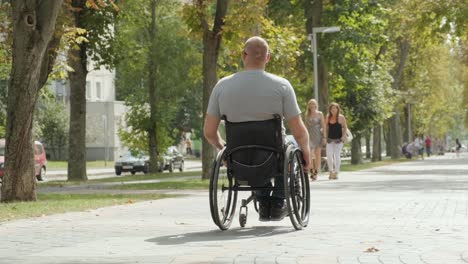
(276, 194)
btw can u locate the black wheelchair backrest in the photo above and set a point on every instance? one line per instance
(255, 149)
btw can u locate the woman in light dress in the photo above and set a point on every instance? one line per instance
(315, 124)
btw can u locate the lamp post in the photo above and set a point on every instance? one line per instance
(104, 119)
(313, 39)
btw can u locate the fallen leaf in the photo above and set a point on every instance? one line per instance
(371, 250)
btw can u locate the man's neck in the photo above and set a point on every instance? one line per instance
(254, 68)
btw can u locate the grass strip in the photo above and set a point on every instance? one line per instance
(62, 165)
(139, 177)
(192, 184)
(55, 203)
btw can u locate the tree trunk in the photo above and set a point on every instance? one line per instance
(407, 135)
(368, 148)
(77, 59)
(33, 35)
(153, 95)
(377, 143)
(386, 134)
(211, 45)
(323, 85)
(313, 12)
(395, 139)
(209, 81)
(356, 153)
(395, 135)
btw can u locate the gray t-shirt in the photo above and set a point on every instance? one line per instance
(253, 95)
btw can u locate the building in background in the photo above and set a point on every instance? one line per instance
(103, 114)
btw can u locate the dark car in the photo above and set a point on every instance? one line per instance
(172, 160)
(132, 164)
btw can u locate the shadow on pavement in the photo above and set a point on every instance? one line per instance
(218, 235)
(398, 185)
(444, 172)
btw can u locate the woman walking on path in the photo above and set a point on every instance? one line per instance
(457, 147)
(315, 124)
(335, 130)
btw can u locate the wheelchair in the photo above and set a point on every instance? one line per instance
(253, 156)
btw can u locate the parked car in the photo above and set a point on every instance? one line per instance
(40, 160)
(172, 160)
(346, 152)
(132, 164)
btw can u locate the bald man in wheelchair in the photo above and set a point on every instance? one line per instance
(256, 95)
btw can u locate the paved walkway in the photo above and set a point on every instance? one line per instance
(414, 212)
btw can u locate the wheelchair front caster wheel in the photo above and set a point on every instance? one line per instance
(243, 216)
(242, 220)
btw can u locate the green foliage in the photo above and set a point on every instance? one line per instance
(359, 78)
(5, 40)
(134, 133)
(430, 82)
(51, 123)
(5, 62)
(177, 57)
(95, 28)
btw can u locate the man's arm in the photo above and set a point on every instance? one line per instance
(325, 132)
(300, 134)
(210, 130)
(323, 140)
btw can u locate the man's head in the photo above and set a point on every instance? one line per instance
(255, 54)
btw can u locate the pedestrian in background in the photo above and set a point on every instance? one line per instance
(428, 143)
(315, 123)
(457, 147)
(419, 145)
(335, 130)
(188, 145)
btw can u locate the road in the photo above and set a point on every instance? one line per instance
(97, 173)
(412, 212)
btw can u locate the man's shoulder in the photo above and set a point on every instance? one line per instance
(226, 78)
(277, 78)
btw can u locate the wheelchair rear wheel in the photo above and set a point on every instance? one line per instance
(297, 190)
(223, 198)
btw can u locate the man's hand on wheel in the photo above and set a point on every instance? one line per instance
(306, 160)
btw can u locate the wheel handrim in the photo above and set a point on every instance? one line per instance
(296, 190)
(222, 198)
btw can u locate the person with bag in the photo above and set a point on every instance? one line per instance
(314, 121)
(335, 130)
(419, 144)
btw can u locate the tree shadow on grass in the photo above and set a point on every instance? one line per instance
(218, 235)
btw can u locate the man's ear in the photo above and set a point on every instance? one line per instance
(244, 54)
(268, 57)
